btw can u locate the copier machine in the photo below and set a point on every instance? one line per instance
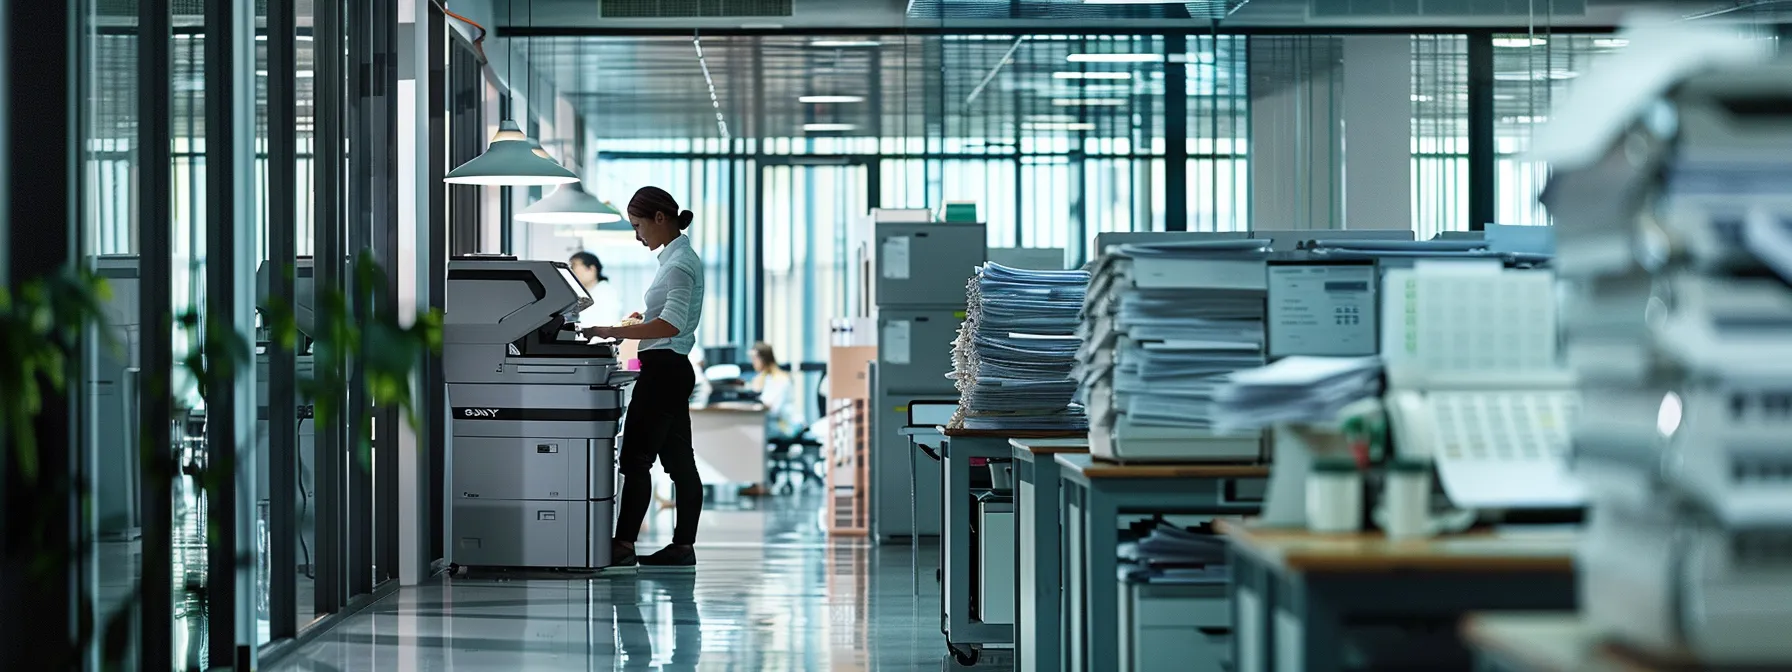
(535, 411)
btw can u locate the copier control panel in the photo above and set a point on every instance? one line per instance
(1322, 310)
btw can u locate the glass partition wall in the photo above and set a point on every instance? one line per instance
(234, 158)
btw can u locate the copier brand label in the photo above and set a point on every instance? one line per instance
(538, 414)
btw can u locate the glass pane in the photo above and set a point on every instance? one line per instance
(187, 286)
(1439, 134)
(113, 451)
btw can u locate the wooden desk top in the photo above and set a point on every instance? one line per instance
(1089, 467)
(1052, 446)
(1556, 642)
(1544, 551)
(1013, 433)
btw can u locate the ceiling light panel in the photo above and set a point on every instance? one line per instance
(1115, 58)
(1092, 75)
(1088, 102)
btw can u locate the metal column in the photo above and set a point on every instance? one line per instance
(1175, 135)
(42, 238)
(435, 413)
(229, 309)
(283, 422)
(382, 116)
(1481, 160)
(331, 449)
(155, 195)
(364, 148)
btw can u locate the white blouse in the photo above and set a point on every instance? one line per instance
(676, 296)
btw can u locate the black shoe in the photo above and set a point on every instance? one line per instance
(671, 559)
(622, 559)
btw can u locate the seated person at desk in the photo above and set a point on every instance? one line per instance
(773, 384)
(776, 390)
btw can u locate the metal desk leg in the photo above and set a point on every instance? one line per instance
(1038, 642)
(914, 527)
(1101, 542)
(1253, 614)
(1074, 609)
(956, 540)
(1320, 646)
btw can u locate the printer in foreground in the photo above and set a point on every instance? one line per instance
(535, 410)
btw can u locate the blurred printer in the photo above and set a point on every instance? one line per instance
(1679, 238)
(535, 410)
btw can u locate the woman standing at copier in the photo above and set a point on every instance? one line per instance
(658, 423)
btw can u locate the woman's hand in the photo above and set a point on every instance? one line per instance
(631, 320)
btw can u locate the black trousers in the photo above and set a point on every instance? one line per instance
(658, 425)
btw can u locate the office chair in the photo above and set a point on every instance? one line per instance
(798, 455)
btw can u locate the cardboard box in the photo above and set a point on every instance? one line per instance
(849, 371)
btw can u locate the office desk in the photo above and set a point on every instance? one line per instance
(964, 632)
(730, 438)
(1552, 642)
(1039, 583)
(1293, 591)
(1092, 498)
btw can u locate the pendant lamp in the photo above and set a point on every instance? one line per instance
(570, 204)
(511, 160)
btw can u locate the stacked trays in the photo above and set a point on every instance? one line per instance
(1016, 349)
(1162, 325)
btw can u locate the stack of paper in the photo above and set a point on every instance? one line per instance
(1162, 324)
(1295, 389)
(1017, 347)
(1171, 554)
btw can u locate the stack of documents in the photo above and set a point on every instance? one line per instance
(1016, 350)
(1162, 324)
(1171, 554)
(1295, 389)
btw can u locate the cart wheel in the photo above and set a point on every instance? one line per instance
(965, 657)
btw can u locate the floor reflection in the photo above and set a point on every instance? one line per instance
(771, 592)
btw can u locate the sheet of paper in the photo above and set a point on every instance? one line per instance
(895, 342)
(1509, 484)
(895, 257)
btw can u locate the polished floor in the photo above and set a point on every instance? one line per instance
(772, 592)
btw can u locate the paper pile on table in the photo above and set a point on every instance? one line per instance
(1161, 324)
(1295, 390)
(1016, 350)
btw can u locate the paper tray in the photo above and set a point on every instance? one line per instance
(1123, 442)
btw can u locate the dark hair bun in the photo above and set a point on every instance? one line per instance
(685, 218)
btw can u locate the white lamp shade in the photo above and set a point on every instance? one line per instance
(510, 161)
(569, 204)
